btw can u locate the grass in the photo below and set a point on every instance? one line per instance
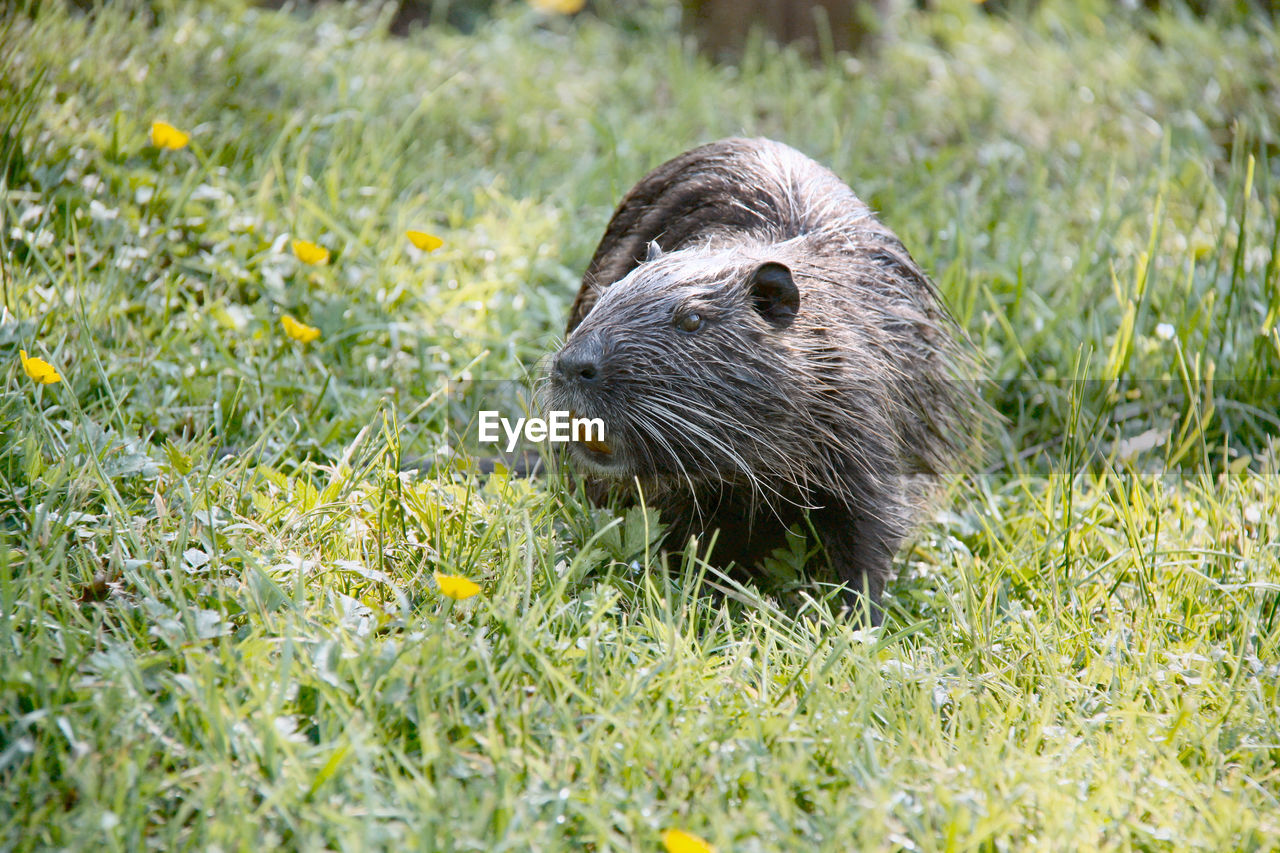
(218, 622)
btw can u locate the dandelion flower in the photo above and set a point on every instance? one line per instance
(310, 253)
(558, 7)
(39, 369)
(424, 241)
(456, 586)
(677, 841)
(299, 331)
(165, 135)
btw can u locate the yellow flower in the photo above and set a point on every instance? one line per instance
(299, 331)
(39, 369)
(677, 841)
(558, 7)
(456, 586)
(310, 253)
(165, 135)
(424, 241)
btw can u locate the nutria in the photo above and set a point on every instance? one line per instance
(765, 354)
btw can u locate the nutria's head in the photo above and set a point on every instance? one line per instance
(687, 362)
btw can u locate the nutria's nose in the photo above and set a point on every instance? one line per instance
(580, 362)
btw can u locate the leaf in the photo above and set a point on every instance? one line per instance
(330, 768)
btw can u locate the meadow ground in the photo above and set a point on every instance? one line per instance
(219, 624)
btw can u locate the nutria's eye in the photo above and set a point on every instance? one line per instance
(690, 322)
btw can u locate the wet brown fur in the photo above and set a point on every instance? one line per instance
(829, 417)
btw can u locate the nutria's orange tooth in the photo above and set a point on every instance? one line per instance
(598, 447)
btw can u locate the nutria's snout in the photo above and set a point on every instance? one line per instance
(578, 373)
(580, 362)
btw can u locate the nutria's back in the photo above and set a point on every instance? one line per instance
(713, 195)
(764, 353)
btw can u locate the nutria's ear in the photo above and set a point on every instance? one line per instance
(774, 294)
(652, 252)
